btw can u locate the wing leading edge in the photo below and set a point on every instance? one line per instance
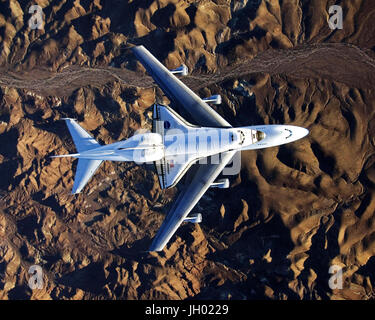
(178, 92)
(188, 198)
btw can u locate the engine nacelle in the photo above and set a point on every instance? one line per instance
(221, 183)
(182, 70)
(194, 218)
(215, 99)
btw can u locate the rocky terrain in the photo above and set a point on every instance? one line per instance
(292, 212)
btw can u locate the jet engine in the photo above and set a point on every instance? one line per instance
(221, 183)
(215, 99)
(182, 70)
(194, 218)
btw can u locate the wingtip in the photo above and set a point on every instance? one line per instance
(137, 48)
(76, 190)
(154, 248)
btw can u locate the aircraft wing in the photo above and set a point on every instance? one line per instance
(188, 198)
(178, 92)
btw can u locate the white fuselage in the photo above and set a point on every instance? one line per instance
(195, 143)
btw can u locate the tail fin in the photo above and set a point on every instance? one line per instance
(86, 167)
(65, 155)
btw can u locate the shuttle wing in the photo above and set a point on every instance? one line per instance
(188, 198)
(170, 171)
(178, 92)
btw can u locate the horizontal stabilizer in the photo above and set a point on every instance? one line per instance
(85, 170)
(82, 139)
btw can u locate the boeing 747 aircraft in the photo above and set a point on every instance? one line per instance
(175, 144)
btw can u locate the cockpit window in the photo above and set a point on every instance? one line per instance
(233, 136)
(242, 136)
(290, 133)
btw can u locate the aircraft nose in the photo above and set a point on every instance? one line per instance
(304, 132)
(299, 132)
